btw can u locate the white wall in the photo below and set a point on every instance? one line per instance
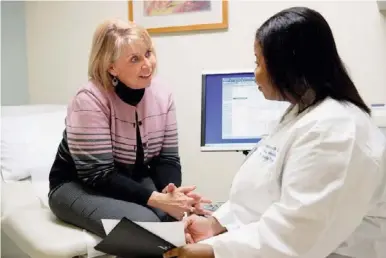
(59, 34)
(14, 76)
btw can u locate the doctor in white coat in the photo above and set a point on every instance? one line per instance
(315, 187)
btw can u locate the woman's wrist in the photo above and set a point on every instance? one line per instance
(155, 199)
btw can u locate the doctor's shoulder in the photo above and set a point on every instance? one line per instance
(341, 121)
(329, 117)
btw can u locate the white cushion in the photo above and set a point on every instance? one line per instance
(17, 196)
(34, 228)
(38, 233)
(29, 140)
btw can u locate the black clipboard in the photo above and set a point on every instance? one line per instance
(130, 240)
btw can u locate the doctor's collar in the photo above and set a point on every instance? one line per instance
(307, 100)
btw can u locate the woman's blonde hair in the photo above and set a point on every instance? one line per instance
(109, 39)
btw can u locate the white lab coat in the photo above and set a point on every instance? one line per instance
(315, 186)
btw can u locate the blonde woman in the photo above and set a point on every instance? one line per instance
(119, 153)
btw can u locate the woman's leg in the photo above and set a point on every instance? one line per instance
(80, 207)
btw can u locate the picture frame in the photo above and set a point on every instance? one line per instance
(179, 16)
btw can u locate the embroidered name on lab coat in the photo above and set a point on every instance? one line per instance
(268, 152)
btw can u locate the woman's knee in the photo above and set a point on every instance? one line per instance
(56, 203)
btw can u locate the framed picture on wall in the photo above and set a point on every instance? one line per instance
(159, 16)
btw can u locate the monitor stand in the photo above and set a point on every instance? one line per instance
(246, 152)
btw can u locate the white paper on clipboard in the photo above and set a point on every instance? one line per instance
(172, 232)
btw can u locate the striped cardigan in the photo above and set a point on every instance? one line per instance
(101, 140)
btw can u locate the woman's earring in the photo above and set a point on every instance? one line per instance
(115, 81)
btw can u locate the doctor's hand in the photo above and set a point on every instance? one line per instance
(191, 251)
(188, 191)
(198, 228)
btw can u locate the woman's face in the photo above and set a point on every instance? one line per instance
(261, 76)
(135, 66)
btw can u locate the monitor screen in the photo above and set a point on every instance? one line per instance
(235, 114)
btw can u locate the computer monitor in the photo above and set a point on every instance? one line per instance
(234, 113)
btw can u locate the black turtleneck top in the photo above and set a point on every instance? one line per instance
(133, 97)
(118, 184)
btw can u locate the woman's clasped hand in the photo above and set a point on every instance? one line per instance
(177, 201)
